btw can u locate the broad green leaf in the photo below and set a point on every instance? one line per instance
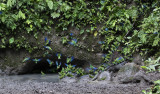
(28, 21)
(10, 3)
(157, 82)
(144, 67)
(11, 40)
(21, 15)
(55, 15)
(82, 31)
(143, 38)
(2, 6)
(3, 40)
(50, 4)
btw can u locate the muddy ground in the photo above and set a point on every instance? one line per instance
(8, 86)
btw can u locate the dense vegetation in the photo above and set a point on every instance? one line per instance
(133, 25)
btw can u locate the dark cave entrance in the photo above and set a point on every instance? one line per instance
(40, 67)
(43, 66)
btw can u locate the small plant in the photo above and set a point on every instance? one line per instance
(71, 71)
(152, 65)
(92, 71)
(155, 89)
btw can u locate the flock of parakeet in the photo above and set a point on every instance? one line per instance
(73, 40)
(59, 55)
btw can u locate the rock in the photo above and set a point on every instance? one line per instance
(138, 59)
(117, 67)
(104, 76)
(68, 80)
(84, 79)
(127, 72)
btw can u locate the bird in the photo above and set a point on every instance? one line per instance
(120, 58)
(58, 65)
(48, 42)
(26, 59)
(72, 58)
(71, 65)
(155, 33)
(36, 60)
(69, 59)
(71, 34)
(49, 61)
(106, 29)
(66, 64)
(58, 55)
(101, 42)
(73, 42)
(47, 47)
(104, 55)
(94, 68)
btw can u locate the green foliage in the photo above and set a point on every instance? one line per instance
(155, 89)
(11, 40)
(71, 71)
(134, 28)
(152, 65)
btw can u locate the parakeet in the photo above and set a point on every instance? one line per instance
(101, 42)
(58, 55)
(49, 61)
(48, 42)
(36, 60)
(26, 59)
(73, 42)
(120, 58)
(71, 34)
(106, 29)
(58, 65)
(72, 58)
(47, 47)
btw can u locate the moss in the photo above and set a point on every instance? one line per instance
(103, 78)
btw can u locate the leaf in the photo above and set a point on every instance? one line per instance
(144, 67)
(21, 15)
(11, 40)
(156, 41)
(42, 73)
(87, 30)
(3, 41)
(50, 4)
(10, 3)
(143, 38)
(55, 15)
(144, 91)
(157, 82)
(82, 31)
